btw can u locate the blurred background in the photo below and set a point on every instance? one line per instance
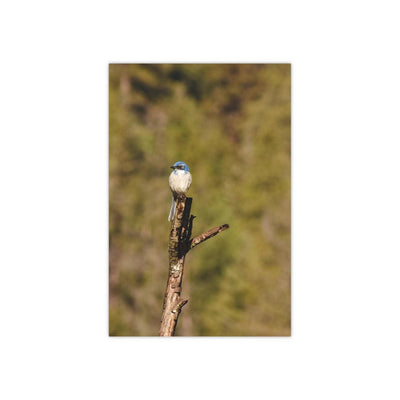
(231, 124)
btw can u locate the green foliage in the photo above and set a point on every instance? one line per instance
(231, 125)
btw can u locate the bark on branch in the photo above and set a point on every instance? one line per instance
(179, 245)
(207, 235)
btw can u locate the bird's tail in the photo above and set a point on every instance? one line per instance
(172, 210)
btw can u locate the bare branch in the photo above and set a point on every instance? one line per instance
(179, 244)
(177, 250)
(207, 235)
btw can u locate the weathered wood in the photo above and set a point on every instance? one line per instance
(178, 246)
(207, 235)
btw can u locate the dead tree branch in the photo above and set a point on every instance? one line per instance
(207, 235)
(179, 245)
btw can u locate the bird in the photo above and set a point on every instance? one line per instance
(179, 183)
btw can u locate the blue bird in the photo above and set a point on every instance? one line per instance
(179, 182)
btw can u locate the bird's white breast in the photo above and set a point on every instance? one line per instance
(179, 181)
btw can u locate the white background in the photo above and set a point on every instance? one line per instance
(54, 200)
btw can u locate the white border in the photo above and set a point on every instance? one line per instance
(53, 163)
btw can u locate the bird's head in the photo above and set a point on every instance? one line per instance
(180, 165)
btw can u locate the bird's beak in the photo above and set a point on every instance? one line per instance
(172, 167)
